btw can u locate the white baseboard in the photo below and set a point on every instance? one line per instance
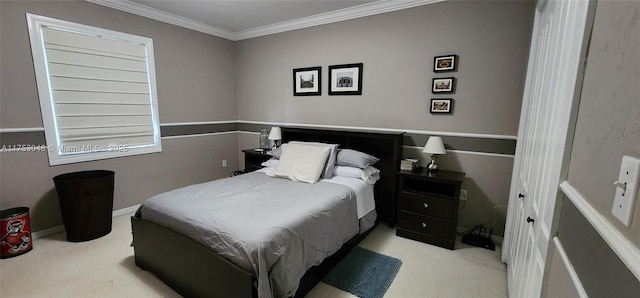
(59, 229)
(126, 211)
(47, 232)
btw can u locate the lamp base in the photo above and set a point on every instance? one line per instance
(275, 144)
(433, 166)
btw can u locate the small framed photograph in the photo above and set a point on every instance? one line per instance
(307, 81)
(345, 79)
(445, 63)
(443, 85)
(441, 105)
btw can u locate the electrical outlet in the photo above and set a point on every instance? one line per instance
(626, 190)
(463, 194)
(224, 163)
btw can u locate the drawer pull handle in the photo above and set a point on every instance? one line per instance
(426, 205)
(424, 225)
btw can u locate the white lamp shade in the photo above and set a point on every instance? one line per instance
(434, 146)
(275, 134)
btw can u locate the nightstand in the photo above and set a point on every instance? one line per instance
(253, 158)
(428, 206)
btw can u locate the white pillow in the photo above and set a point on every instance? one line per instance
(275, 152)
(273, 162)
(369, 174)
(331, 161)
(267, 171)
(302, 163)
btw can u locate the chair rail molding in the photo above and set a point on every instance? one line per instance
(626, 251)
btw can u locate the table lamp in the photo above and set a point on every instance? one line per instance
(434, 147)
(275, 135)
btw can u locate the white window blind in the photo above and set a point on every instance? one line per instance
(97, 91)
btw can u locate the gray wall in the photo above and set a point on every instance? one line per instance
(608, 125)
(196, 82)
(203, 78)
(397, 49)
(607, 128)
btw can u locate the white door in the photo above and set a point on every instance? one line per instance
(548, 111)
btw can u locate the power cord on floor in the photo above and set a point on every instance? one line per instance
(465, 205)
(482, 230)
(479, 235)
(495, 218)
(478, 228)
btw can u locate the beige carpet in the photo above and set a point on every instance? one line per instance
(105, 268)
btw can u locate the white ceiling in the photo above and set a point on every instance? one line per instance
(236, 16)
(241, 19)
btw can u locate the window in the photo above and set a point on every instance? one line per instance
(97, 91)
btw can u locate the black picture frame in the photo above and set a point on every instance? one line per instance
(345, 79)
(307, 81)
(445, 63)
(443, 85)
(441, 106)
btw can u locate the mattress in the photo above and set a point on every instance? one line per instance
(272, 227)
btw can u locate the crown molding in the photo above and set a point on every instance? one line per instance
(163, 16)
(359, 11)
(354, 12)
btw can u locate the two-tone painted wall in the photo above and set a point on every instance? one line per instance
(594, 254)
(196, 83)
(214, 95)
(397, 49)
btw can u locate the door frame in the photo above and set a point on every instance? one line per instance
(568, 76)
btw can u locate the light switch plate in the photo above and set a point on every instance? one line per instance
(624, 201)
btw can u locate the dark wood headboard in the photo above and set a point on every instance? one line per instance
(385, 146)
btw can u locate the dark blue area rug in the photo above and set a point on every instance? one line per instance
(364, 273)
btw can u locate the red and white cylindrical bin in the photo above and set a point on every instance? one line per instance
(15, 231)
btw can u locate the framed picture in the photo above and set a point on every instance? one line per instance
(445, 63)
(307, 81)
(345, 79)
(441, 105)
(443, 85)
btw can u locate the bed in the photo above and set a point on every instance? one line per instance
(194, 269)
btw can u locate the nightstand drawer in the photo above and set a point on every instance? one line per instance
(425, 225)
(426, 205)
